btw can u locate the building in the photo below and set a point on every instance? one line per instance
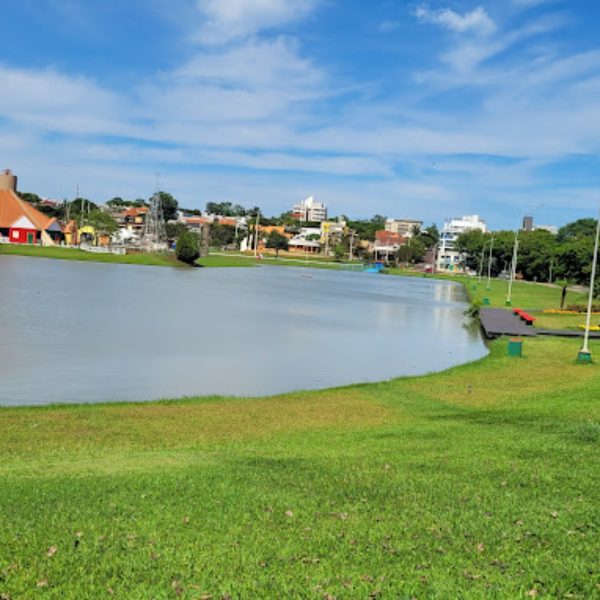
(405, 227)
(71, 233)
(448, 257)
(528, 225)
(133, 219)
(306, 241)
(387, 243)
(310, 210)
(20, 222)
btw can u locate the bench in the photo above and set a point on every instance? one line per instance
(525, 316)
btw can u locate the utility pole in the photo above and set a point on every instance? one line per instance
(481, 262)
(351, 244)
(489, 280)
(513, 268)
(256, 234)
(585, 355)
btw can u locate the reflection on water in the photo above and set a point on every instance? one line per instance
(91, 332)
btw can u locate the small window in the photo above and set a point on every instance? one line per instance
(15, 234)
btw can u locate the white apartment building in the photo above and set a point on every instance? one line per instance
(404, 227)
(448, 257)
(310, 210)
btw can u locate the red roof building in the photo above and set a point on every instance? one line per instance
(20, 222)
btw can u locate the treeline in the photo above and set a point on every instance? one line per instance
(542, 256)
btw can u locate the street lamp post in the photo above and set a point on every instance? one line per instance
(513, 269)
(585, 356)
(481, 259)
(489, 277)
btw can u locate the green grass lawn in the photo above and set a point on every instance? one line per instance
(553, 321)
(239, 260)
(221, 260)
(525, 294)
(479, 482)
(138, 258)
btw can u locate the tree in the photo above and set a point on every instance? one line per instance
(412, 252)
(170, 206)
(187, 247)
(577, 229)
(277, 241)
(81, 208)
(339, 252)
(563, 284)
(430, 236)
(225, 209)
(102, 222)
(574, 259)
(174, 230)
(365, 230)
(221, 235)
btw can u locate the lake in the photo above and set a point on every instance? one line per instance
(92, 332)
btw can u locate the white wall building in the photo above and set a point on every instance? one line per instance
(405, 227)
(448, 257)
(310, 210)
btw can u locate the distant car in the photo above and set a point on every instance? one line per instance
(504, 275)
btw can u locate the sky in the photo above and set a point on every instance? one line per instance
(423, 110)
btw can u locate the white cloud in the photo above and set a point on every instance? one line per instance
(225, 20)
(477, 21)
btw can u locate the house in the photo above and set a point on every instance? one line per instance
(133, 219)
(20, 222)
(387, 243)
(306, 241)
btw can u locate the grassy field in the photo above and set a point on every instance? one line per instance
(477, 482)
(139, 258)
(221, 260)
(240, 260)
(553, 321)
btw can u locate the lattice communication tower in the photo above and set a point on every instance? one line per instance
(155, 235)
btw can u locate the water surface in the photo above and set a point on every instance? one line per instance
(92, 332)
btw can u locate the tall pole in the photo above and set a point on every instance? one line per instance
(585, 350)
(489, 279)
(481, 260)
(256, 235)
(513, 268)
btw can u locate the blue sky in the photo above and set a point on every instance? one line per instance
(418, 110)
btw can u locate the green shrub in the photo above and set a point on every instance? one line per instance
(474, 310)
(187, 247)
(582, 308)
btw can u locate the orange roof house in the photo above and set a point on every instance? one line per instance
(20, 222)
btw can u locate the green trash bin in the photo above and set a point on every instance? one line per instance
(486, 301)
(584, 357)
(515, 347)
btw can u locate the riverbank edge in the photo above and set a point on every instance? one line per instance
(141, 259)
